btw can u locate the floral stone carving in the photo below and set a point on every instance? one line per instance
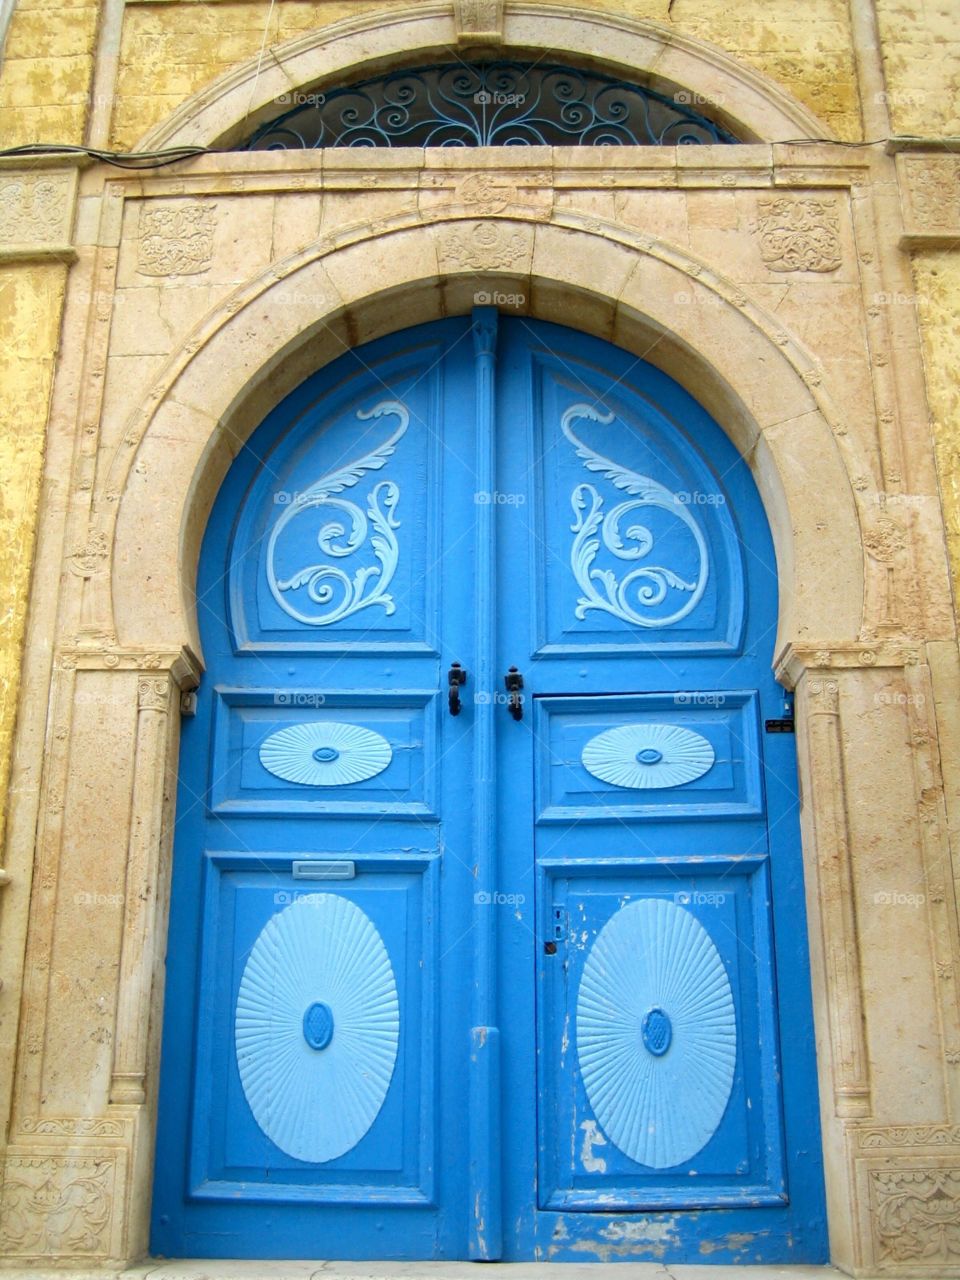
(176, 239)
(799, 233)
(916, 1214)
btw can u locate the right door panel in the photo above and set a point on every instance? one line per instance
(659, 1034)
(676, 1111)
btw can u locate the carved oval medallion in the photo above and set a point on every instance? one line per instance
(325, 753)
(647, 756)
(318, 1025)
(656, 1031)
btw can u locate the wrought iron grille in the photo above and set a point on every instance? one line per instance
(487, 104)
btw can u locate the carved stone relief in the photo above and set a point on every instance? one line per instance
(798, 233)
(176, 239)
(486, 193)
(916, 1215)
(485, 246)
(35, 209)
(478, 18)
(931, 194)
(55, 1205)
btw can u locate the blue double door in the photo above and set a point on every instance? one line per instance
(487, 925)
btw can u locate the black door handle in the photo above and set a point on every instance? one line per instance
(456, 679)
(514, 682)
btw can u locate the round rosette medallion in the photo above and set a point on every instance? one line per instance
(656, 1033)
(317, 1027)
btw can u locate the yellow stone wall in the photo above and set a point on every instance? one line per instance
(171, 50)
(31, 297)
(937, 276)
(921, 62)
(47, 71)
(45, 87)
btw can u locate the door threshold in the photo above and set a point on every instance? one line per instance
(252, 1269)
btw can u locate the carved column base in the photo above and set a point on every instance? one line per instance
(127, 1088)
(62, 1206)
(908, 1189)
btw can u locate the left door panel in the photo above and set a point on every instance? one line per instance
(314, 1071)
(302, 1075)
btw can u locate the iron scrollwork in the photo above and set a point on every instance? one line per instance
(486, 104)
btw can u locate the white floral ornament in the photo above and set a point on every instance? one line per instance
(647, 586)
(331, 592)
(325, 753)
(648, 756)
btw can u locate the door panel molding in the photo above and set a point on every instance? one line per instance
(741, 1163)
(230, 1155)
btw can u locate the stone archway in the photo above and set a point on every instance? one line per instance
(760, 384)
(261, 343)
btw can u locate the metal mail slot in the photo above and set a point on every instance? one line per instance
(313, 870)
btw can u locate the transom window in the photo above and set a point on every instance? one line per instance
(487, 104)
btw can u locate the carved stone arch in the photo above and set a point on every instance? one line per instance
(757, 381)
(749, 104)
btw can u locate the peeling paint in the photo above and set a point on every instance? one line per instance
(644, 1237)
(733, 1243)
(592, 1137)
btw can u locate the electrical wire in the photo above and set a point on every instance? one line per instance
(122, 159)
(137, 160)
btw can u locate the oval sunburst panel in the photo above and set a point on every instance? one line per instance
(656, 1033)
(647, 756)
(317, 1027)
(325, 753)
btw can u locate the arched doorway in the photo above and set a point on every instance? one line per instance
(511, 966)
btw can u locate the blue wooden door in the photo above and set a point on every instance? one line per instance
(511, 964)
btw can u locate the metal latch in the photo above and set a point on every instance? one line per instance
(514, 683)
(786, 723)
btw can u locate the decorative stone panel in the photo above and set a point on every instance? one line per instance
(930, 196)
(479, 21)
(59, 1206)
(36, 213)
(176, 238)
(483, 246)
(798, 233)
(915, 1213)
